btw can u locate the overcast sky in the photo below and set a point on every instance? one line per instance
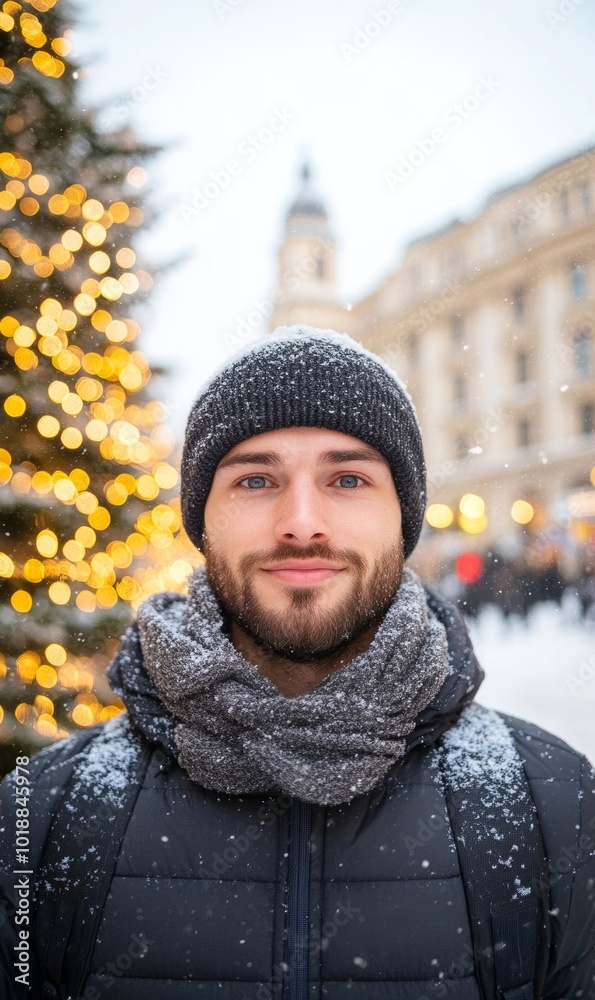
(354, 84)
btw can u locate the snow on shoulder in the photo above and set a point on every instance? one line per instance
(109, 762)
(480, 752)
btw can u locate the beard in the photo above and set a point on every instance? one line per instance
(307, 632)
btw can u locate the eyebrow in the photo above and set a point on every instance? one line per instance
(272, 458)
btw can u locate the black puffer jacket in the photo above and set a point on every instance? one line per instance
(239, 897)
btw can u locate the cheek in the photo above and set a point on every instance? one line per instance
(234, 524)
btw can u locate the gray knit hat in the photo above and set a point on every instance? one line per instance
(300, 376)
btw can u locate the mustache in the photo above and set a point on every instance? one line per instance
(317, 550)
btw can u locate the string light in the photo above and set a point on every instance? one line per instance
(88, 466)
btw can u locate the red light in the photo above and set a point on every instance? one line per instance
(469, 567)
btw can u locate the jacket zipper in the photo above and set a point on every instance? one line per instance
(298, 884)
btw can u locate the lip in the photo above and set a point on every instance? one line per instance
(303, 571)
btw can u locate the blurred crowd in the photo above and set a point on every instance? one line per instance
(515, 583)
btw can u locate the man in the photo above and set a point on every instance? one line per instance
(301, 799)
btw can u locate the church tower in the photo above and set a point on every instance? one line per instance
(306, 288)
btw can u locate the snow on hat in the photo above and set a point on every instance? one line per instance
(301, 376)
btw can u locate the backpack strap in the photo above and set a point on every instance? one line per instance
(82, 852)
(501, 854)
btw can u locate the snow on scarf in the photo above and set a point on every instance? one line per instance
(237, 733)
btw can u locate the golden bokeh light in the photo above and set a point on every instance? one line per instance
(5, 473)
(65, 490)
(471, 506)
(522, 511)
(38, 183)
(72, 404)
(46, 725)
(80, 478)
(27, 664)
(126, 257)
(15, 405)
(99, 262)
(165, 476)
(86, 536)
(34, 571)
(71, 437)
(42, 482)
(86, 502)
(84, 304)
(100, 519)
(116, 331)
(55, 654)
(6, 565)
(119, 211)
(59, 592)
(47, 543)
(439, 515)
(473, 525)
(92, 210)
(48, 426)
(24, 336)
(21, 601)
(86, 601)
(94, 233)
(58, 204)
(46, 676)
(96, 430)
(74, 550)
(83, 715)
(72, 240)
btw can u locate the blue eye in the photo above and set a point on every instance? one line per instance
(349, 482)
(254, 482)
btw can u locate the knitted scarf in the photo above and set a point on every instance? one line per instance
(237, 733)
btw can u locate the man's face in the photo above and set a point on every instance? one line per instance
(303, 540)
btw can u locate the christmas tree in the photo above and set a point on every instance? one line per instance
(88, 494)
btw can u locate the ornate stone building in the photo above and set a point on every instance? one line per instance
(491, 324)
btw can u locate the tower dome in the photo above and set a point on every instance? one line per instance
(307, 202)
(307, 278)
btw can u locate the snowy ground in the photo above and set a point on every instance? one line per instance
(542, 670)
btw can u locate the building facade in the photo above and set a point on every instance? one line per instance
(490, 322)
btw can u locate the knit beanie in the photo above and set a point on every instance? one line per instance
(301, 376)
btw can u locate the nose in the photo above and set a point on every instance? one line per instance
(301, 516)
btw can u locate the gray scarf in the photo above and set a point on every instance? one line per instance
(236, 733)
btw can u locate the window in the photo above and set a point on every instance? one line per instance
(563, 204)
(578, 280)
(517, 227)
(585, 196)
(413, 276)
(587, 418)
(413, 345)
(522, 367)
(523, 433)
(460, 389)
(457, 330)
(518, 303)
(320, 269)
(583, 352)
(455, 261)
(462, 446)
